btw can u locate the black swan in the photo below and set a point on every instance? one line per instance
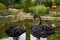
(14, 31)
(40, 30)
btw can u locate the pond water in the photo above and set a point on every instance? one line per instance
(5, 23)
(23, 37)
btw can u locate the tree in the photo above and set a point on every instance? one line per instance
(7, 2)
(27, 5)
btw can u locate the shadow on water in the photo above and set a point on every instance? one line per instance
(4, 23)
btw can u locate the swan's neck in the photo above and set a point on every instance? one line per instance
(40, 21)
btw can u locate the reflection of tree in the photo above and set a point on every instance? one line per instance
(3, 25)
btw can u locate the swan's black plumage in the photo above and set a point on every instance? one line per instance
(40, 30)
(14, 31)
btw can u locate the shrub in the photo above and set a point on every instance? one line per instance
(7, 2)
(2, 6)
(38, 9)
(33, 3)
(57, 2)
(18, 6)
(57, 14)
(48, 3)
(6, 12)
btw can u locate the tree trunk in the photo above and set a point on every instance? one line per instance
(38, 38)
(15, 38)
(27, 25)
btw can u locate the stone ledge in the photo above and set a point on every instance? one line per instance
(30, 17)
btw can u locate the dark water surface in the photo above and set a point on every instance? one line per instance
(4, 23)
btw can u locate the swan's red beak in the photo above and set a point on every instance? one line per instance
(33, 19)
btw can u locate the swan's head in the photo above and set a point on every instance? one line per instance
(36, 16)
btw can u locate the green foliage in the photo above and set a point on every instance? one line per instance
(27, 5)
(4, 24)
(57, 14)
(57, 2)
(18, 6)
(38, 9)
(33, 3)
(48, 3)
(19, 1)
(2, 6)
(7, 2)
(6, 12)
